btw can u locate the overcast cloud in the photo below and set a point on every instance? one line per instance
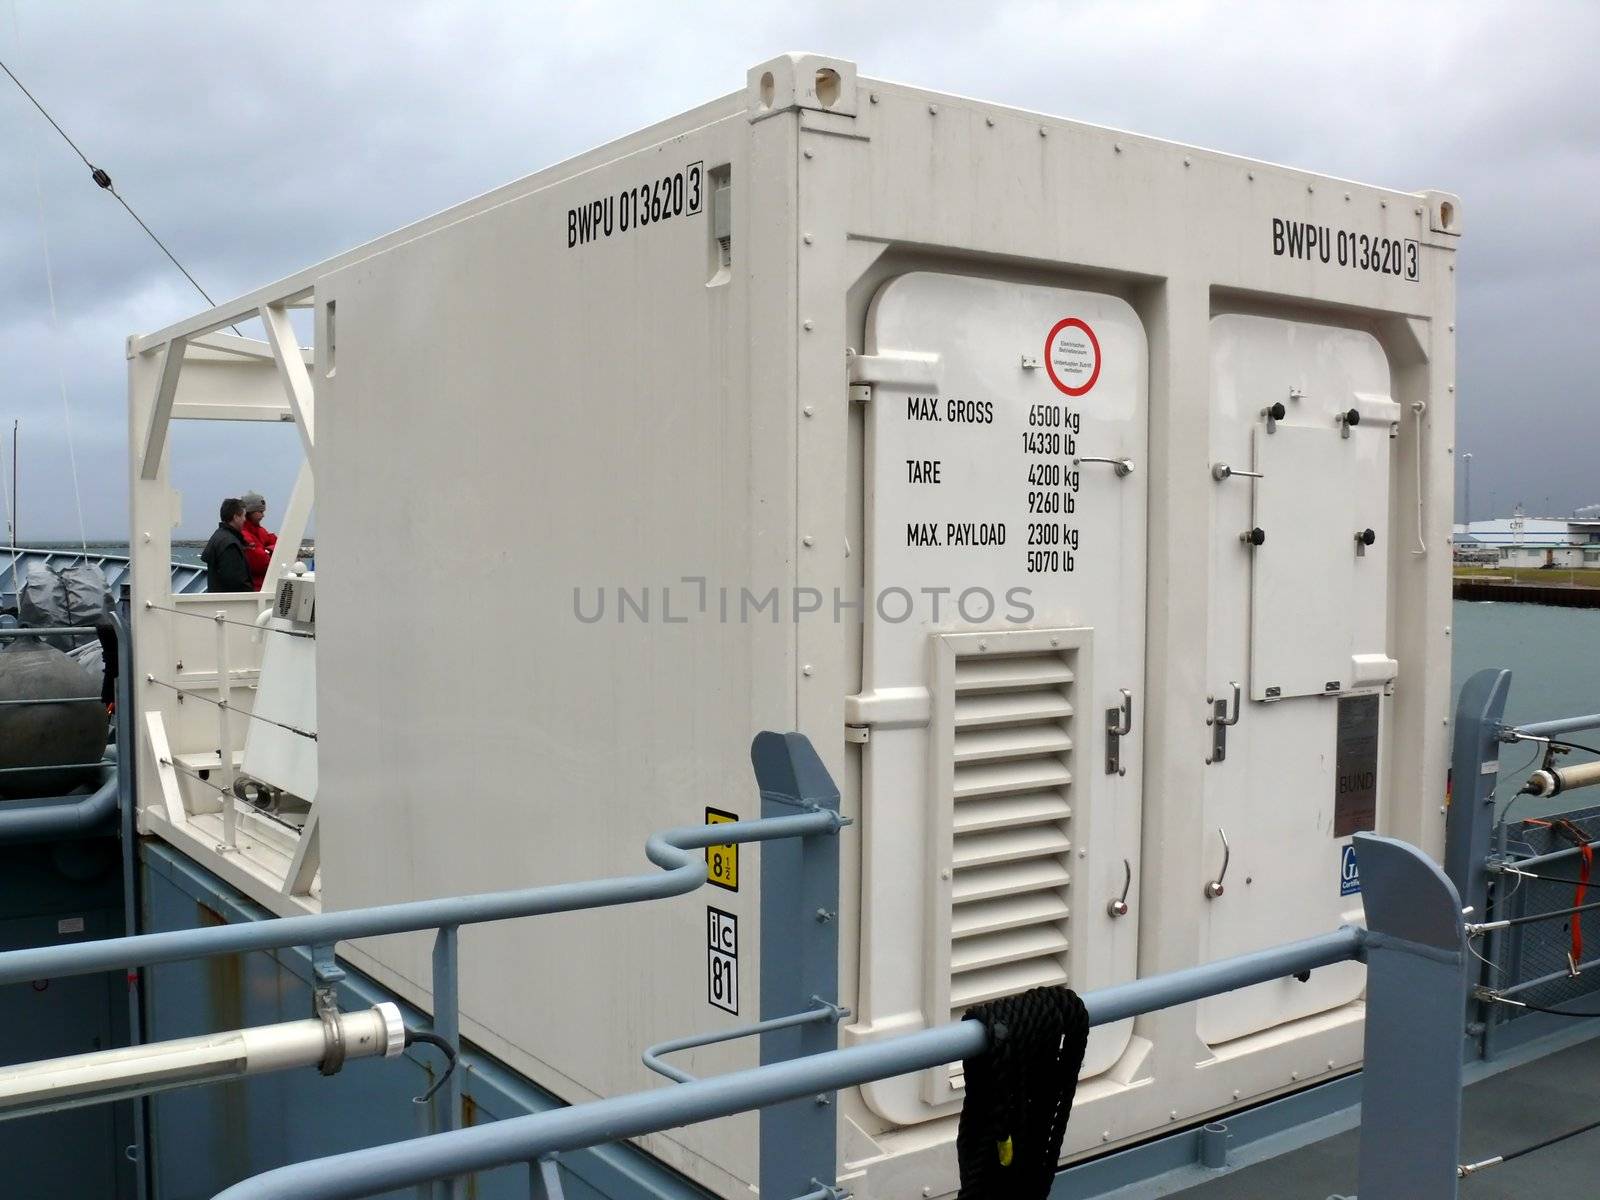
(258, 139)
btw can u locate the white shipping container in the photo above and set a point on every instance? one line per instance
(951, 435)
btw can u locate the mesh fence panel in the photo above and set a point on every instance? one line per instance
(1541, 948)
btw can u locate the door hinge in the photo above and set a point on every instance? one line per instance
(857, 735)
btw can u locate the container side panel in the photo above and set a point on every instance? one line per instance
(551, 531)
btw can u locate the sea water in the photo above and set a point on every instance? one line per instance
(1554, 658)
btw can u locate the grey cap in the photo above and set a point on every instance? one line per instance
(253, 502)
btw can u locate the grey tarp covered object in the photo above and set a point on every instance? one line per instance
(47, 735)
(71, 595)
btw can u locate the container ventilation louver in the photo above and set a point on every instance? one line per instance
(1010, 823)
(1004, 757)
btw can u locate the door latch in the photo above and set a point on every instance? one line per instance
(1219, 720)
(1221, 471)
(1122, 467)
(1215, 888)
(1119, 723)
(1119, 906)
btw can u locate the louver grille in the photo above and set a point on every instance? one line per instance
(1011, 742)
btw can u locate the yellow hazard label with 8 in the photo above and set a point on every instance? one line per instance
(722, 862)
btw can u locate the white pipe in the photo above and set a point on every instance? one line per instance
(81, 1079)
(1562, 779)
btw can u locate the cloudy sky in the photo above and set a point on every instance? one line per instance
(257, 139)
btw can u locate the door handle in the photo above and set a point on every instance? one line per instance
(1214, 888)
(1122, 466)
(1219, 714)
(1219, 720)
(1221, 471)
(1119, 906)
(1119, 724)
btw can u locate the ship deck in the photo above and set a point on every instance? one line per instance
(1504, 1111)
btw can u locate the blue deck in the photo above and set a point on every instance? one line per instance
(209, 1137)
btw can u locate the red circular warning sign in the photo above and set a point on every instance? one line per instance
(1072, 356)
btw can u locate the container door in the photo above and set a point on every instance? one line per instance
(1004, 621)
(1298, 625)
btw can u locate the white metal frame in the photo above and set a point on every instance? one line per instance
(190, 680)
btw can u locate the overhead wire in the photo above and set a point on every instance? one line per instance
(102, 179)
(50, 289)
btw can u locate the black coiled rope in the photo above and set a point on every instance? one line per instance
(1019, 1094)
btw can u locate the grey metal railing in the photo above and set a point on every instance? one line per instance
(680, 871)
(1538, 729)
(1412, 1091)
(1414, 947)
(1497, 875)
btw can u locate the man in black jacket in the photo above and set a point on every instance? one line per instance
(226, 570)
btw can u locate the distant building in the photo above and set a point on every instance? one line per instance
(1519, 541)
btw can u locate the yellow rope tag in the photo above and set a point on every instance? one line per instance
(1005, 1152)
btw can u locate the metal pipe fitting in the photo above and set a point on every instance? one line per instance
(82, 1079)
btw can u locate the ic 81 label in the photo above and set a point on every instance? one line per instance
(674, 194)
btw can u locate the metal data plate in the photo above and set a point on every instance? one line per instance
(1355, 798)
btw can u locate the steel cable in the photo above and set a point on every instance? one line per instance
(1467, 1169)
(103, 180)
(199, 616)
(243, 712)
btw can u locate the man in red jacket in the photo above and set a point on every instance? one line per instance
(258, 539)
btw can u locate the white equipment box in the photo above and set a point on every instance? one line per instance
(1085, 499)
